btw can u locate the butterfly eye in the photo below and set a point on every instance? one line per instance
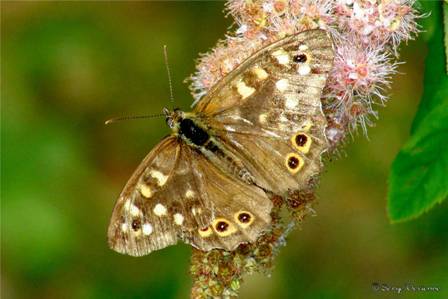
(170, 122)
(294, 162)
(300, 58)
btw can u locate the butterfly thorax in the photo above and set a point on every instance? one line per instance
(188, 127)
(193, 130)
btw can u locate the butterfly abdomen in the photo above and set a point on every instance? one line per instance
(229, 162)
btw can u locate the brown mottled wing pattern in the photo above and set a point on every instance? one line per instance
(177, 194)
(268, 110)
(243, 210)
(266, 117)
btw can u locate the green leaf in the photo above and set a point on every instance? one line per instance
(445, 22)
(435, 63)
(419, 177)
(419, 174)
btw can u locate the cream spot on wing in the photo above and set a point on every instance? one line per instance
(282, 84)
(205, 232)
(196, 211)
(134, 210)
(160, 177)
(244, 90)
(282, 56)
(291, 101)
(303, 47)
(282, 127)
(178, 218)
(136, 233)
(190, 193)
(262, 118)
(304, 69)
(260, 73)
(159, 210)
(127, 205)
(145, 190)
(124, 227)
(147, 229)
(307, 124)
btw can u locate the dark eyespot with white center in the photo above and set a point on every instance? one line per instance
(301, 139)
(302, 142)
(244, 218)
(294, 162)
(300, 58)
(136, 224)
(223, 227)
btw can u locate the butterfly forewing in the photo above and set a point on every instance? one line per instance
(268, 110)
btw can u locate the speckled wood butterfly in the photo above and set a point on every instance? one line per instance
(259, 131)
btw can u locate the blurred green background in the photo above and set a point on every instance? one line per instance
(67, 67)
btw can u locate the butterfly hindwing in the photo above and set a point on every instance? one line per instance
(240, 211)
(177, 194)
(268, 110)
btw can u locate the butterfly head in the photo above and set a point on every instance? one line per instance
(173, 117)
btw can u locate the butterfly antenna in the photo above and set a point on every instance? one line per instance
(165, 52)
(116, 119)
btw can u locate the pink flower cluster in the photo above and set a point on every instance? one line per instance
(378, 22)
(366, 35)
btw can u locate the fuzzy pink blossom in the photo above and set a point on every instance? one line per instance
(378, 22)
(359, 77)
(366, 33)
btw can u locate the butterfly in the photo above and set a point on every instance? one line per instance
(258, 131)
